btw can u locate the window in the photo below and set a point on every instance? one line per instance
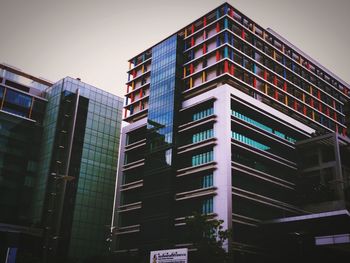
(262, 126)
(246, 140)
(203, 135)
(207, 206)
(202, 158)
(207, 181)
(202, 114)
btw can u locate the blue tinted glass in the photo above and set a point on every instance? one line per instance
(18, 98)
(162, 93)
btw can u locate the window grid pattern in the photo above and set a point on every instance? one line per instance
(207, 181)
(251, 142)
(203, 135)
(264, 62)
(202, 158)
(262, 126)
(207, 206)
(202, 114)
(94, 197)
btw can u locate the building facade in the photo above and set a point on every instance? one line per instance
(75, 190)
(217, 115)
(59, 151)
(22, 109)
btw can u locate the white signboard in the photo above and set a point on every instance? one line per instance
(169, 256)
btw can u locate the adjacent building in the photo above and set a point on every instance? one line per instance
(219, 114)
(22, 108)
(58, 161)
(76, 176)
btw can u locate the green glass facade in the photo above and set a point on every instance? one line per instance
(58, 159)
(21, 117)
(18, 167)
(95, 190)
(90, 120)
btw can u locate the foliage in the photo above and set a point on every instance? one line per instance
(208, 237)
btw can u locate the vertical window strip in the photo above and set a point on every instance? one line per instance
(207, 206)
(207, 181)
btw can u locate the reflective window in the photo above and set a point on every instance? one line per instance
(207, 181)
(18, 98)
(162, 98)
(202, 114)
(203, 135)
(202, 158)
(251, 142)
(261, 126)
(17, 103)
(207, 206)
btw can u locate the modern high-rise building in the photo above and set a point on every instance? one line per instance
(58, 160)
(22, 108)
(76, 177)
(219, 115)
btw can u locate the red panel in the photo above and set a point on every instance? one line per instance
(265, 74)
(318, 94)
(231, 12)
(335, 116)
(312, 102)
(275, 80)
(132, 97)
(254, 82)
(217, 55)
(217, 27)
(225, 66)
(285, 86)
(192, 41)
(192, 28)
(232, 70)
(204, 48)
(134, 73)
(204, 21)
(304, 110)
(344, 131)
(243, 33)
(191, 68)
(141, 93)
(295, 105)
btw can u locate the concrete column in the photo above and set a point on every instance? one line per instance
(222, 155)
(338, 169)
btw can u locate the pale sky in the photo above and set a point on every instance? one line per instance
(93, 39)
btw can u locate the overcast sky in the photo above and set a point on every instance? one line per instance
(93, 39)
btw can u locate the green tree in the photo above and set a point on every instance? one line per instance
(208, 237)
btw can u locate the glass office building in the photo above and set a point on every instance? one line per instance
(22, 110)
(245, 99)
(75, 192)
(58, 160)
